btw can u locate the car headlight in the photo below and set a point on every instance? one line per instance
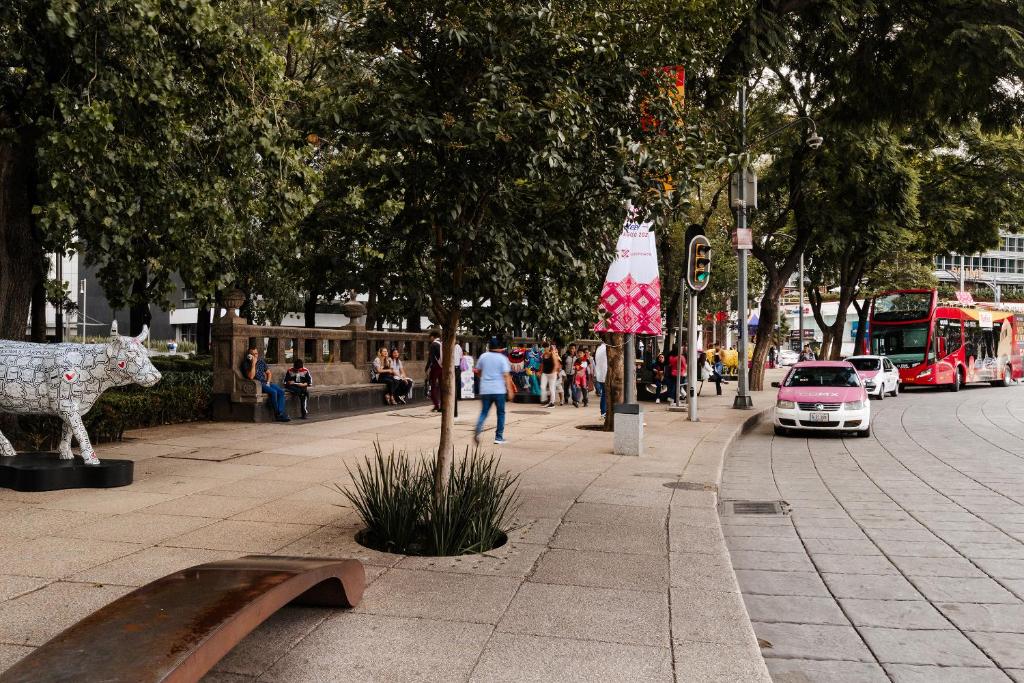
(785, 405)
(853, 405)
(869, 385)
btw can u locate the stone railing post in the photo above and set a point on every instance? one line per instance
(230, 342)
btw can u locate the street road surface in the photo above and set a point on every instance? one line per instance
(902, 556)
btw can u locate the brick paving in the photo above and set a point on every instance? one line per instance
(902, 557)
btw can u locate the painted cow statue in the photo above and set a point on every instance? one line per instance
(66, 380)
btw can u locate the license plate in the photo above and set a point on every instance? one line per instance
(820, 417)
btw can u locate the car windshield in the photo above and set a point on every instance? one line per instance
(837, 376)
(865, 364)
(902, 344)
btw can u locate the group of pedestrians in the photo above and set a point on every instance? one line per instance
(388, 369)
(670, 373)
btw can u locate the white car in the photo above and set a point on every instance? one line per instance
(880, 376)
(788, 357)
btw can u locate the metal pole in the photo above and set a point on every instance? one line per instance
(691, 361)
(801, 300)
(629, 391)
(961, 273)
(742, 400)
(679, 343)
(85, 309)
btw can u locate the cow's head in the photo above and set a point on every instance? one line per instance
(130, 361)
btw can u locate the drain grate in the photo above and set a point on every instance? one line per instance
(756, 507)
(691, 486)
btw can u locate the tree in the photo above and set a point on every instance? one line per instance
(110, 140)
(509, 132)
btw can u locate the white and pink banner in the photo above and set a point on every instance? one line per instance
(631, 297)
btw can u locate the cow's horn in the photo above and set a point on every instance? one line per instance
(142, 336)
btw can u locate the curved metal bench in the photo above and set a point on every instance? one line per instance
(177, 628)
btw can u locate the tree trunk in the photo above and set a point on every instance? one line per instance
(20, 250)
(139, 314)
(413, 322)
(309, 309)
(615, 385)
(38, 311)
(445, 446)
(203, 326)
(862, 321)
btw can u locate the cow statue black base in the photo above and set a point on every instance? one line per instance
(66, 380)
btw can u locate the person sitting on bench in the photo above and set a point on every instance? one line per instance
(298, 381)
(254, 367)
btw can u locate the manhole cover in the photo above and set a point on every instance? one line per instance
(691, 486)
(756, 507)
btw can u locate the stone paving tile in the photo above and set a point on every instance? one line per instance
(710, 662)
(840, 546)
(937, 566)
(623, 515)
(11, 654)
(759, 582)
(950, 589)
(241, 536)
(879, 587)
(603, 570)
(731, 530)
(828, 532)
(34, 618)
(607, 538)
(707, 616)
(353, 646)
(854, 564)
(616, 616)
(1002, 568)
(784, 562)
(526, 658)
(272, 640)
(982, 617)
(808, 670)
(54, 557)
(1007, 649)
(150, 564)
(942, 648)
(794, 609)
(702, 571)
(200, 505)
(138, 527)
(894, 548)
(512, 559)
(766, 544)
(12, 586)
(900, 614)
(909, 673)
(36, 522)
(812, 641)
(439, 595)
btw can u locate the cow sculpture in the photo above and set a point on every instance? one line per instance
(66, 380)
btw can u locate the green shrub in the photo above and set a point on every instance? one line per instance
(183, 363)
(393, 496)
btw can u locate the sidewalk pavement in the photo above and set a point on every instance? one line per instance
(618, 568)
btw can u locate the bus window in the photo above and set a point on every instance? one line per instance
(950, 337)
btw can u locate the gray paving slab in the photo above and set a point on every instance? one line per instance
(899, 614)
(812, 670)
(794, 609)
(957, 589)
(910, 673)
(811, 641)
(905, 646)
(877, 586)
(984, 617)
(760, 582)
(1007, 649)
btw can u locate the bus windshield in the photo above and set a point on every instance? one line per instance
(904, 344)
(903, 306)
(827, 376)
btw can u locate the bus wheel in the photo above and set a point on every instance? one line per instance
(1005, 381)
(957, 381)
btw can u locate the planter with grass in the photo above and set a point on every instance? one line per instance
(393, 495)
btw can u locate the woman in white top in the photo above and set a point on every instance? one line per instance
(384, 374)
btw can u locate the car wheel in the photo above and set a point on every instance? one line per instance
(881, 392)
(896, 389)
(865, 433)
(955, 386)
(781, 431)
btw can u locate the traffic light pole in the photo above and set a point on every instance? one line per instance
(742, 400)
(691, 360)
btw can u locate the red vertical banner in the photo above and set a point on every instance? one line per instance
(631, 296)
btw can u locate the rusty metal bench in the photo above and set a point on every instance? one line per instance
(177, 628)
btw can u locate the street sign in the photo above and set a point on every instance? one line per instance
(743, 238)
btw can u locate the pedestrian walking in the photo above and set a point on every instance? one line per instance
(457, 355)
(717, 368)
(569, 368)
(658, 373)
(434, 370)
(807, 354)
(601, 375)
(550, 366)
(495, 387)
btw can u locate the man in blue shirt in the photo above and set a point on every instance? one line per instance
(495, 385)
(254, 367)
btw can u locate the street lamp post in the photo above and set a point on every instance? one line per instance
(801, 300)
(742, 400)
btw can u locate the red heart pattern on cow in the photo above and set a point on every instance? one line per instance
(121, 364)
(70, 376)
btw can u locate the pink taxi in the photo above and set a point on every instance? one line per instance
(822, 396)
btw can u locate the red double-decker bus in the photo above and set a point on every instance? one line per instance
(946, 344)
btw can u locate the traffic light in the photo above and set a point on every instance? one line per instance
(698, 263)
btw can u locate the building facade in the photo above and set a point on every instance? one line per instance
(1002, 267)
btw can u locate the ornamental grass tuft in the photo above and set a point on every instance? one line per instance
(393, 495)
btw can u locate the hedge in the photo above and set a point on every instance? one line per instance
(179, 397)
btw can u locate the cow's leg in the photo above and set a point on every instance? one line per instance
(6, 449)
(65, 443)
(74, 420)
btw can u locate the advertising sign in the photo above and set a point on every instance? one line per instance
(631, 296)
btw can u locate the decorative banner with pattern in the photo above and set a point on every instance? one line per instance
(631, 297)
